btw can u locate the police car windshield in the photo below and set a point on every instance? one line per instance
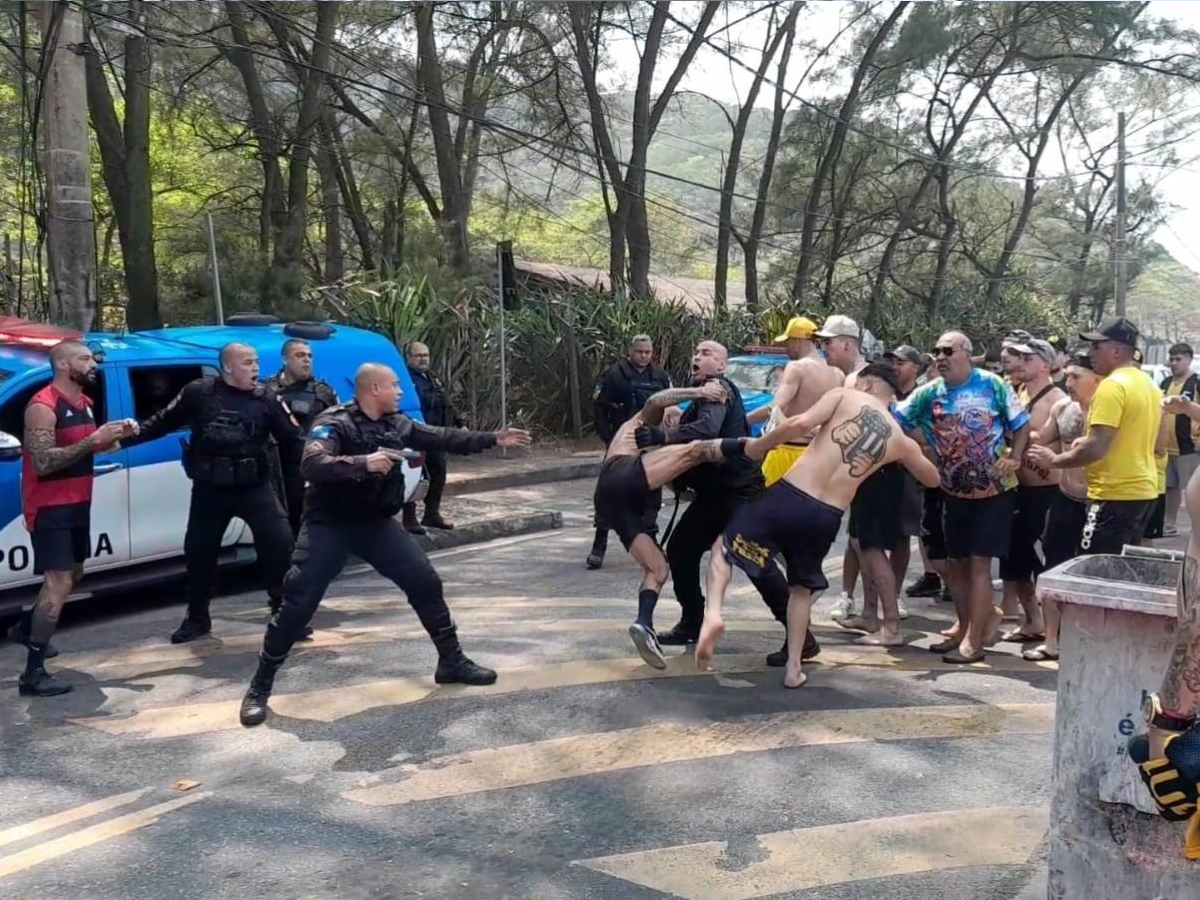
(750, 376)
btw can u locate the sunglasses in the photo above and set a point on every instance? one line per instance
(944, 351)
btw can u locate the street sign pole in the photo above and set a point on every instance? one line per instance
(500, 248)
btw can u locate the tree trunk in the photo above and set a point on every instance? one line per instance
(729, 183)
(69, 214)
(833, 150)
(351, 196)
(335, 255)
(945, 242)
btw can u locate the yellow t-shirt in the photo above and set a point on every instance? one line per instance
(1174, 389)
(1128, 401)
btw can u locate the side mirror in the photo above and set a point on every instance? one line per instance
(10, 447)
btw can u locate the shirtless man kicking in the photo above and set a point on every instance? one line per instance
(805, 380)
(798, 518)
(628, 476)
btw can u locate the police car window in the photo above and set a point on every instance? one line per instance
(12, 413)
(156, 386)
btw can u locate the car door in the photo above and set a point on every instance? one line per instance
(159, 491)
(110, 493)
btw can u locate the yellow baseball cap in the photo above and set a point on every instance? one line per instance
(798, 327)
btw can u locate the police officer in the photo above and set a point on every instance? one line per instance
(437, 410)
(353, 466)
(621, 393)
(232, 419)
(305, 397)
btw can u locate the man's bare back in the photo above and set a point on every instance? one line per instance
(857, 435)
(804, 382)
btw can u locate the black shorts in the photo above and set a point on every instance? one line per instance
(621, 496)
(1157, 520)
(60, 548)
(875, 510)
(912, 507)
(1024, 562)
(1111, 524)
(1064, 524)
(933, 529)
(783, 521)
(980, 527)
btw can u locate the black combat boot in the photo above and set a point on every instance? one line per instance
(595, 559)
(778, 659)
(191, 628)
(19, 634)
(453, 665)
(409, 520)
(36, 681)
(254, 704)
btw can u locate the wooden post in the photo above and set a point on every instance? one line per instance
(69, 217)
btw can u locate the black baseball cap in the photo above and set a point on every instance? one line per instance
(1114, 328)
(906, 352)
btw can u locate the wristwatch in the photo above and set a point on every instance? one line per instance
(1152, 711)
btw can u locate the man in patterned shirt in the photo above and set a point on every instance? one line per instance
(968, 416)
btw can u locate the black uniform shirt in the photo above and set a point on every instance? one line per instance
(436, 407)
(191, 405)
(622, 392)
(304, 400)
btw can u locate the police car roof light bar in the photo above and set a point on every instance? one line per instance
(36, 335)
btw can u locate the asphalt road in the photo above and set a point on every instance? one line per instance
(581, 773)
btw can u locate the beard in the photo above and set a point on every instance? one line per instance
(85, 379)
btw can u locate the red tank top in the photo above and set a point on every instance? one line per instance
(64, 497)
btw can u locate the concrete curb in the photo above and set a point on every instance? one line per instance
(489, 529)
(544, 475)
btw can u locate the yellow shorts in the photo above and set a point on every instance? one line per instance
(780, 460)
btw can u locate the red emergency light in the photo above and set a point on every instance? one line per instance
(15, 331)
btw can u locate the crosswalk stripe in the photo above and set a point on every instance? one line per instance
(77, 814)
(332, 704)
(808, 858)
(499, 768)
(93, 834)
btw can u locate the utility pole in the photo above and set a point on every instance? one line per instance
(69, 218)
(1122, 248)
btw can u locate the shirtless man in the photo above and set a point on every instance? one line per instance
(1068, 510)
(1037, 486)
(798, 518)
(805, 380)
(628, 477)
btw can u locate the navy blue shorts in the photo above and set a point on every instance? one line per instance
(783, 522)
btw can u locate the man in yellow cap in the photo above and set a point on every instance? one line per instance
(804, 381)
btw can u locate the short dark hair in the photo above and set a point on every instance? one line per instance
(884, 373)
(1180, 350)
(290, 343)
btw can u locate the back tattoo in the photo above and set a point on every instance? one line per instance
(863, 440)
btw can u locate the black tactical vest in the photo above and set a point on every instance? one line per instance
(228, 448)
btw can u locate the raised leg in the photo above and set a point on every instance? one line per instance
(720, 573)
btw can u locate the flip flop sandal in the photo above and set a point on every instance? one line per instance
(958, 659)
(1039, 654)
(1022, 637)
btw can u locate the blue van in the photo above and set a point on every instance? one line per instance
(756, 375)
(140, 500)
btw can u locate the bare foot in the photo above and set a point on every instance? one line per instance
(887, 637)
(952, 632)
(858, 623)
(991, 632)
(712, 629)
(793, 678)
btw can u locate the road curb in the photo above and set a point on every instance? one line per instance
(571, 472)
(489, 529)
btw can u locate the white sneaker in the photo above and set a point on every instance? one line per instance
(903, 610)
(844, 607)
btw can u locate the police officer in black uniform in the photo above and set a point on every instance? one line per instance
(305, 397)
(719, 489)
(353, 466)
(621, 393)
(437, 410)
(233, 420)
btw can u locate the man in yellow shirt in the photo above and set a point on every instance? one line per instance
(1118, 451)
(1183, 435)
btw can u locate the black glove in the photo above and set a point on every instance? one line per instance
(732, 448)
(1172, 779)
(649, 436)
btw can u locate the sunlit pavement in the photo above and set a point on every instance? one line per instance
(581, 773)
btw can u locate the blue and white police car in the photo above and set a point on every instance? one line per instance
(756, 372)
(140, 499)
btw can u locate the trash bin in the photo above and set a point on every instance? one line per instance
(1118, 632)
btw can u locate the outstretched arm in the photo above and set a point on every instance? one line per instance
(657, 405)
(913, 458)
(40, 440)
(796, 427)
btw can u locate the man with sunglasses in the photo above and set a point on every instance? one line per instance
(1118, 451)
(965, 416)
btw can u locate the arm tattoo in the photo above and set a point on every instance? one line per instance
(652, 412)
(48, 458)
(1181, 685)
(863, 440)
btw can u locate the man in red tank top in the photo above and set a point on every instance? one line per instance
(56, 495)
